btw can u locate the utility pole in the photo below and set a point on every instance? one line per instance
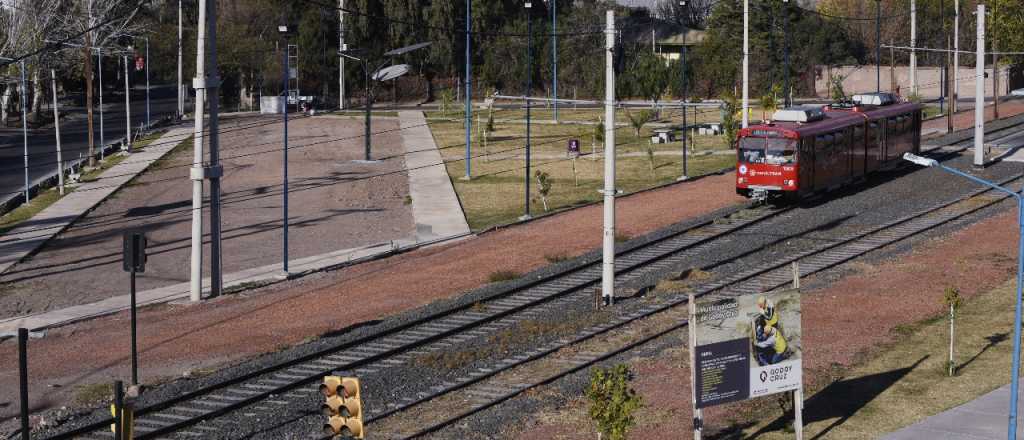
(554, 57)
(979, 98)
(892, 67)
(24, 125)
(529, 87)
(469, 91)
(913, 48)
(181, 87)
(948, 84)
(682, 104)
(746, 65)
(197, 172)
(995, 64)
(878, 45)
(608, 240)
(147, 82)
(127, 108)
(954, 105)
(214, 171)
(788, 98)
(341, 59)
(56, 127)
(284, 182)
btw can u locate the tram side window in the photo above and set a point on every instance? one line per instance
(875, 135)
(858, 134)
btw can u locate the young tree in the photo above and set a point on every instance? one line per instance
(543, 187)
(770, 102)
(952, 300)
(612, 401)
(730, 115)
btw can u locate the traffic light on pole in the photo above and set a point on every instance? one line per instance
(343, 406)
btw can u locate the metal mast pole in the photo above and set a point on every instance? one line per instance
(341, 59)
(786, 100)
(181, 87)
(197, 171)
(682, 104)
(746, 65)
(608, 240)
(127, 107)
(913, 47)
(56, 127)
(469, 90)
(878, 45)
(529, 87)
(214, 171)
(554, 57)
(955, 95)
(147, 82)
(284, 194)
(24, 125)
(979, 108)
(99, 67)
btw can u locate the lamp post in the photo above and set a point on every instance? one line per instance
(529, 86)
(878, 45)
(682, 69)
(284, 31)
(786, 100)
(1015, 369)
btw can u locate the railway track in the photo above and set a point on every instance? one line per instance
(281, 385)
(183, 414)
(485, 388)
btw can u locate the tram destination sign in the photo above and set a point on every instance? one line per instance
(746, 346)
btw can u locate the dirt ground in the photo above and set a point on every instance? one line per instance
(332, 206)
(864, 309)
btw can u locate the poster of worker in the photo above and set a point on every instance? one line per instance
(746, 346)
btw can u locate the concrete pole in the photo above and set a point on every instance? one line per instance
(24, 125)
(469, 90)
(284, 168)
(197, 172)
(214, 171)
(913, 47)
(608, 255)
(341, 59)
(529, 89)
(955, 95)
(181, 87)
(746, 64)
(878, 45)
(995, 64)
(56, 127)
(979, 92)
(127, 107)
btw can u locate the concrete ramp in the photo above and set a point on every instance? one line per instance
(435, 206)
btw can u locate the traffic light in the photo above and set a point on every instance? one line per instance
(343, 406)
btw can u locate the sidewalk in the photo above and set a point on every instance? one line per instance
(30, 235)
(979, 419)
(435, 206)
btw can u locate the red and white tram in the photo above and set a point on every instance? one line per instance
(808, 149)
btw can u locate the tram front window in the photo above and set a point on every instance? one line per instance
(780, 151)
(752, 150)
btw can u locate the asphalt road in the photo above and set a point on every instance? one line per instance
(42, 150)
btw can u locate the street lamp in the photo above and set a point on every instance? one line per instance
(529, 86)
(1015, 370)
(285, 33)
(380, 74)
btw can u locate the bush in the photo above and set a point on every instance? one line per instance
(612, 401)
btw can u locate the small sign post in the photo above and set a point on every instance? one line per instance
(134, 262)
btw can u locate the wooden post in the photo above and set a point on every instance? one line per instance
(698, 420)
(798, 412)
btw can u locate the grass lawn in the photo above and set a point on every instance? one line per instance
(567, 114)
(495, 195)
(907, 381)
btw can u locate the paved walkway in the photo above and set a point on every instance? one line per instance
(27, 237)
(435, 207)
(980, 419)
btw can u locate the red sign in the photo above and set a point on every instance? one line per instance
(140, 63)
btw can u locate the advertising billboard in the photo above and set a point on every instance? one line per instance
(746, 346)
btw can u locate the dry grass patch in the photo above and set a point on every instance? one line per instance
(502, 275)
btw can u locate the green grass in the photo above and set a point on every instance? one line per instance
(26, 211)
(496, 194)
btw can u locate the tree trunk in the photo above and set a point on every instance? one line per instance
(37, 94)
(5, 101)
(87, 70)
